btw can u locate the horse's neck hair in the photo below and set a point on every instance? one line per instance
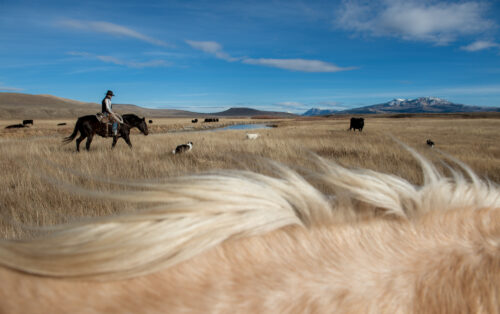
(191, 214)
(132, 118)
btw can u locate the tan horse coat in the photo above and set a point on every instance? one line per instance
(241, 242)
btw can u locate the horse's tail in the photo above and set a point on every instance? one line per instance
(70, 138)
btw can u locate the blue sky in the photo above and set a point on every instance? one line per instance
(208, 56)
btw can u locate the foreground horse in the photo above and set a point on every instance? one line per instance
(88, 126)
(237, 241)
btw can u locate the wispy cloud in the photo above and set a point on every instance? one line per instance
(211, 47)
(299, 106)
(431, 21)
(117, 61)
(290, 104)
(336, 105)
(472, 90)
(301, 65)
(480, 45)
(441, 92)
(4, 88)
(112, 29)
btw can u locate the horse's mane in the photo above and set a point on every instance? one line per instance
(195, 213)
(132, 118)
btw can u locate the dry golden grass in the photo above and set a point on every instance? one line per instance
(37, 170)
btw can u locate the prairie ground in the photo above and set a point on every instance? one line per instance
(44, 182)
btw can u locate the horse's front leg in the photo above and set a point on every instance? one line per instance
(89, 140)
(115, 139)
(127, 139)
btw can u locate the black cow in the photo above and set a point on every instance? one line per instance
(26, 122)
(61, 124)
(357, 124)
(150, 121)
(211, 120)
(15, 126)
(194, 121)
(430, 143)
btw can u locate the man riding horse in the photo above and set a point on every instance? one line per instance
(107, 112)
(90, 125)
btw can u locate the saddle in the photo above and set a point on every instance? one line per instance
(109, 118)
(103, 118)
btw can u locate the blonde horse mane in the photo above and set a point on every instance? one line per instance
(192, 214)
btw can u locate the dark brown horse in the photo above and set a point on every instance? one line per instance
(88, 126)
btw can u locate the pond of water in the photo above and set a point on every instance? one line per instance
(242, 127)
(226, 128)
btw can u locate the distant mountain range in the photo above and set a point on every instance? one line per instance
(26, 106)
(319, 112)
(417, 105)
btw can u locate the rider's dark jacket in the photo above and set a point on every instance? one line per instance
(106, 105)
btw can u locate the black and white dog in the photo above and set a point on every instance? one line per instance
(183, 148)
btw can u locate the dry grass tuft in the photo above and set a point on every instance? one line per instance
(36, 167)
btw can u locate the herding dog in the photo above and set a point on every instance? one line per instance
(183, 148)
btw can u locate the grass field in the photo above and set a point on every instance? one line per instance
(44, 182)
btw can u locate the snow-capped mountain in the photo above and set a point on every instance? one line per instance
(417, 105)
(319, 112)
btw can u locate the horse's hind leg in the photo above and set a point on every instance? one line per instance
(78, 141)
(89, 140)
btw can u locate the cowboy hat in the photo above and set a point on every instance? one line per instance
(110, 93)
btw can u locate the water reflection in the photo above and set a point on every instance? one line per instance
(242, 127)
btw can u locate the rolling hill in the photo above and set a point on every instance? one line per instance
(26, 106)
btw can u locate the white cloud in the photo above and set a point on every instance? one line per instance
(4, 88)
(117, 61)
(331, 105)
(301, 65)
(431, 21)
(297, 106)
(480, 45)
(110, 28)
(211, 47)
(290, 104)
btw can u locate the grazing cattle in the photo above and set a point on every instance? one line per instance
(183, 148)
(194, 121)
(211, 120)
(430, 143)
(150, 121)
(243, 242)
(252, 136)
(26, 122)
(61, 124)
(15, 126)
(357, 124)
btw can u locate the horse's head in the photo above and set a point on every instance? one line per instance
(134, 121)
(143, 126)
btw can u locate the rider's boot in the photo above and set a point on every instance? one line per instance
(115, 128)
